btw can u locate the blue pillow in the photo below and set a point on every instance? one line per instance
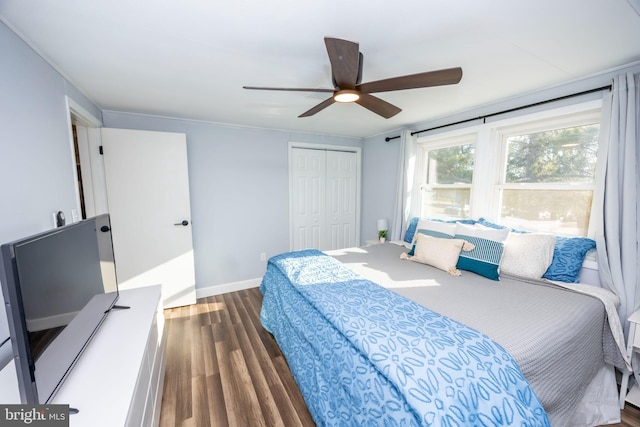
(490, 224)
(568, 256)
(411, 229)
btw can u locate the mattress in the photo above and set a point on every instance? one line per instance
(557, 336)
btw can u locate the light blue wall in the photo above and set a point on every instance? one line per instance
(36, 161)
(239, 188)
(379, 182)
(36, 168)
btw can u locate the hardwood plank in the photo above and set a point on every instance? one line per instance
(216, 405)
(249, 399)
(200, 401)
(291, 404)
(254, 304)
(209, 351)
(231, 308)
(214, 309)
(204, 313)
(263, 375)
(257, 377)
(224, 369)
(183, 399)
(229, 389)
(225, 330)
(198, 363)
(292, 390)
(169, 395)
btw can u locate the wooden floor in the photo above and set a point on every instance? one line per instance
(224, 369)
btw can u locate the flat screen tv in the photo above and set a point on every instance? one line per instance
(58, 286)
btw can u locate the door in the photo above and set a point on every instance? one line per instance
(148, 197)
(308, 197)
(341, 199)
(324, 194)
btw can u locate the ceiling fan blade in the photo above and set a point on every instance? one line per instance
(447, 76)
(324, 104)
(345, 61)
(289, 89)
(378, 106)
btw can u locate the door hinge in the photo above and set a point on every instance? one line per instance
(100, 150)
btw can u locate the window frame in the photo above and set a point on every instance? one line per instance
(490, 159)
(432, 144)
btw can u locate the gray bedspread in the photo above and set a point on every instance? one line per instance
(557, 336)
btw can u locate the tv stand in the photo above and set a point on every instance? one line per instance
(118, 379)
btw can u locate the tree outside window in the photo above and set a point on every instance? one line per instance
(447, 182)
(549, 179)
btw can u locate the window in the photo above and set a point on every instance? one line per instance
(548, 177)
(446, 177)
(534, 172)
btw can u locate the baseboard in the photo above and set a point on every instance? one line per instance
(227, 287)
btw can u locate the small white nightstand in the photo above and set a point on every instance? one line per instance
(633, 345)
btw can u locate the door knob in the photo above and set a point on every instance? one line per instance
(184, 223)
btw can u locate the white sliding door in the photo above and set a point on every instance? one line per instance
(341, 185)
(324, 198)
(308, 199)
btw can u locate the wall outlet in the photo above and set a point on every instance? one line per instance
(263, 256)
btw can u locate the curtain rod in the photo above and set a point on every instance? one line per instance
(535, 104)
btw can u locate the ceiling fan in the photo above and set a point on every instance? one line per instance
(346, 69)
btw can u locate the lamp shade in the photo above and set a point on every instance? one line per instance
(382, 225)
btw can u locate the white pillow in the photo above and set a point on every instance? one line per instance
(440, 226)
(527, 255)
(439, 253)
(495, 234)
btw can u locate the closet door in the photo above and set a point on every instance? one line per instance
(341, 179)
(308, 198)
(323, 199)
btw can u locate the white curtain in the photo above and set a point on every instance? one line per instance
(619, 222)
(405, 183)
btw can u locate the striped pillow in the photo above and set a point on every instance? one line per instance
(485, 258)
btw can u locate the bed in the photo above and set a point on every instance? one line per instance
(373, 339)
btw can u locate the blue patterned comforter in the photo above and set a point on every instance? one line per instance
(363, 355)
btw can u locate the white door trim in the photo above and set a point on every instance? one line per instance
(326, 147)
(83, 120)
(80, 115)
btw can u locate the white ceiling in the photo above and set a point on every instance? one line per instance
(190, 58)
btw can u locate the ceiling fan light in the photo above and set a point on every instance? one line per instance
(346, 96)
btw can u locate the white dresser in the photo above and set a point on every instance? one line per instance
(118, 379)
